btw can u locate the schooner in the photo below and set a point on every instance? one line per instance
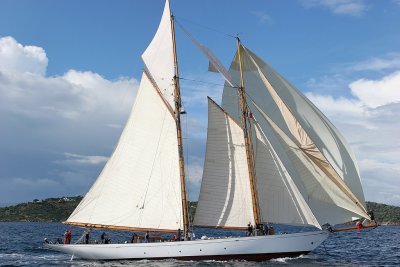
(271, 156)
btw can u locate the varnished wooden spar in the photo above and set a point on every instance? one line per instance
(248, 142)
(178, 102)
(124, 228)
(371, 225)
(221, 227)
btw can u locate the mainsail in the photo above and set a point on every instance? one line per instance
(142, 185)
(139, 187)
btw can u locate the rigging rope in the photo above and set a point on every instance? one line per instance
(204, 82)
(227, 35)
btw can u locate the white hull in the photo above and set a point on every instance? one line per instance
(246, 248)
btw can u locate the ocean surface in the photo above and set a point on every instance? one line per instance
(21, 245)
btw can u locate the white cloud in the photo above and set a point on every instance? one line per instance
(70, 96)
(340, 7)
(19, 58)
(83, 159)
(42, 117)
(374, 93)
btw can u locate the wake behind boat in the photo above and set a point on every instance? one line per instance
(272, 157)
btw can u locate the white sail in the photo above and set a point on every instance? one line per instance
(225, 195)
(325, 135)
(327, 201)
(139, 187)
(303, 140)
(300, 120)
(280, 199)
(159, 57)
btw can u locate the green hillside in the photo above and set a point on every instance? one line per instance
(385, 214)
(48, 210)
(58, 209)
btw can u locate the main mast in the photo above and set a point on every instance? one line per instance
(178, 104)
(248, 141)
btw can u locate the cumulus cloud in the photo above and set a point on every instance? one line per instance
(16, 57)
(375, 93)
(340, 7)
(45, 121)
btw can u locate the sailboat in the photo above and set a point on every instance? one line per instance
(271, 157)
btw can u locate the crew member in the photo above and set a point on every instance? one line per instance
(249, 229)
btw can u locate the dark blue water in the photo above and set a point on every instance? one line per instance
(21, 245)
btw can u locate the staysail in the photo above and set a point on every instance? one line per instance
(225, 195)
(139, 187)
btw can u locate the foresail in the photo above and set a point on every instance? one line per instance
(139, 187)
(300, 121)
(225, 195)
(159, 57)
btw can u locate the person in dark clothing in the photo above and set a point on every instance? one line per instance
(179, 235)
(103, 237)
(371, 216)
(265, 229)
(146, 237)
(87, 237)
(249, 229)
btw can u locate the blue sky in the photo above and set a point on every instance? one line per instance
(69, 71)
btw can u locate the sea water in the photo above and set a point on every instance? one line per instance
(21, 244)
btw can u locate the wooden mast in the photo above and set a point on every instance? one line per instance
(178, 105)
(248, 141)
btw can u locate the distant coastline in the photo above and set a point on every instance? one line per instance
(58, 210)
